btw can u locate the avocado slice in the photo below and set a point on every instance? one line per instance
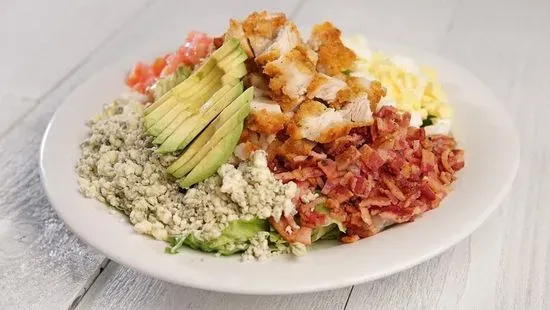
(171, 143)
(209, 113)
(164, 84)
(227, 47)
(230, 117)
(172, 137)
(185, 113)
(193, 79)
(234, 76)
(230, 80)
(238, 56)
(171, 103)
(206, 141)
(238, 71)
(214, 159)
(192, 103)
(172, 126)
(225, 50)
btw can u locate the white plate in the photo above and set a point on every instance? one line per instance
(482, 128)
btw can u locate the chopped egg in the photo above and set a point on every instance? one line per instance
(439, 127)
(385, 102)
(416, 119)
(413, 88)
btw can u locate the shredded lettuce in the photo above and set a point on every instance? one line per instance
(428, 121)
(234, 238)
(331, 230)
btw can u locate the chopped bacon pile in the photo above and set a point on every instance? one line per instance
(376, 176)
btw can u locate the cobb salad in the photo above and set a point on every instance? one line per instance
(262, 143)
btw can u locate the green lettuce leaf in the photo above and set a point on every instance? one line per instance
(233, 239)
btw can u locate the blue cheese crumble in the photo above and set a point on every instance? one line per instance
(119, 168)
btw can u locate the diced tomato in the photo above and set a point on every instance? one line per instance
(197, 46)
(138, 73)
(173, 61)
(141, 77)
(140, 87)
(159, 64)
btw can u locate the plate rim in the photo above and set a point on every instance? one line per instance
(454, 239)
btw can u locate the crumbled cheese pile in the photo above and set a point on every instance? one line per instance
(259, 247)
(119, 167)
(254, 188)
(247, 192)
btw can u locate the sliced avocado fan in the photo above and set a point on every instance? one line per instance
(228, 46)
(156, 125)
(168, 82)
(209, 113)
(188, 128)
(197, 90)
(228, 119)
(214, 159)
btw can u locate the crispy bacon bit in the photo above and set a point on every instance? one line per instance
(341, 144)
(396, 192)
(428, 161)
(303, 235)
(329, 168)
(373, 177)
(346, 158)
(349, 238)
(340, 193)
(309, 218)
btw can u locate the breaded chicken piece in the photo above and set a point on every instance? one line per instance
(325, 87)
(236, 31)
(359, 110)
(265, 122)
(266, 117)
(323, 33)
(258, 80)
(334, 57)
(290, 76)
(261, 28)
(358, 87)
(287, 38)
(315, 122)
(289, 148)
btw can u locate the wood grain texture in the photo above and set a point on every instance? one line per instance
(42, 264)
(506, 44)
(121, 288)
(43, 40)
(16, 108)
(504, 264)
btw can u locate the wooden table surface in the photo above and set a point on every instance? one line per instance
(49, 47)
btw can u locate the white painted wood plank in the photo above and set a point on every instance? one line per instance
(122, 288)
(13, 108)
(27, 136)
(42, 264)
(43, 40)
(111, 289)
(504, 264)
(419, 23)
